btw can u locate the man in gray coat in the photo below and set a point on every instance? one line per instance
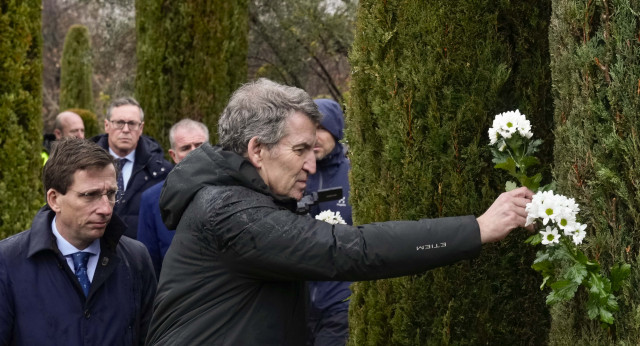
(235, 272)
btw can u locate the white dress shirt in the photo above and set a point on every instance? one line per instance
(67, 250)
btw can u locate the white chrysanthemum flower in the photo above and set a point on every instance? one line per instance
(532, 212)
(493, 136)
(571, 204)
(533, 208)
(565, 215)
(576, 231)
(549, 209)
(331, 217)
(550, 236)
(507, 123)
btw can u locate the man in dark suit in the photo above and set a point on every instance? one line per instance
(139, 158)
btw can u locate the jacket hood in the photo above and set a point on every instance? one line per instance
(332, 119)
(206, 166)
(335, 157)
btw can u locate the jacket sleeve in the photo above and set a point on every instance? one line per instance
(149, 285)
(147, 230)
(141, 270)
(280, 245)
(6, 305)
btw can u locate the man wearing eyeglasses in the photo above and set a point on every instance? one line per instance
(72, 279)
(140, 158)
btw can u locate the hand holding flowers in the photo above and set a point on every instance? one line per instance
(563, 265)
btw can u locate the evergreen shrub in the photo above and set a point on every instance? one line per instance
(595, 64)
(76, 70)
(428, 78)
(20, 114)
(191, 56)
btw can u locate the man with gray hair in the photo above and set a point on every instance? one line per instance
(139, 158)
(184, 136)
(235, 272)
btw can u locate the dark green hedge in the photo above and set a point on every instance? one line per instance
(20, 114)
(76, 70)
(191, 56)
(428, 78)
(595, 49)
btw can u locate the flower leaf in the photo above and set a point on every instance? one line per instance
(534, 239)
(548, 187)
(562, 290)
(619, 273)
(606, 316)
(509, 186)
(576, 273)
(529, 161)
(593, 310)
(532, 148)
(531, 182)
(509, 165)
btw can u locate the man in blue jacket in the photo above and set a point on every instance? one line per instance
(139, 158)
(328, 320)
(184, 136)
(72, 279)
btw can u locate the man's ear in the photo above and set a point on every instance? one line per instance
(173, 156)
(52, 200)
(255, 151)
(57, 133)
(106, 125)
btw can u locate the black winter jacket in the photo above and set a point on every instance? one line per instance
(149, 168)
(235, 271)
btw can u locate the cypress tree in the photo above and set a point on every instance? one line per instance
(428, 78)
(595, 49)
(191, 56)
(20, 114)
(76, 70)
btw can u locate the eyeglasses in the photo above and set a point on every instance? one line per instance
(94, 196)
(133, 125)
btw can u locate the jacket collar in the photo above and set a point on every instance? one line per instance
(205, 166)
(41, 237)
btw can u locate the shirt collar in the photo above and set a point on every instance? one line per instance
(131, 156)
(66, 248)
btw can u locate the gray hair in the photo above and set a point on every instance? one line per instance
(189, 124)
(124, 101)
(261, 109)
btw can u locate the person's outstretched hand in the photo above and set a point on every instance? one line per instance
(506, 213)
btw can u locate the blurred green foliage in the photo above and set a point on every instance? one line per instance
(191, 56)
(20, 115)
(76, 70)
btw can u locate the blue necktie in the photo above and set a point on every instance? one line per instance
(80, 260)
(120, 163)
